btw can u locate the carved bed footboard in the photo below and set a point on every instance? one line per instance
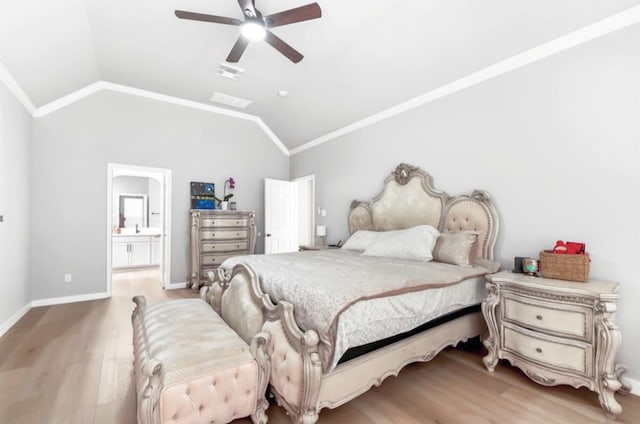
(297, 380)
(296, 370)
(296, 376)
(238, 299)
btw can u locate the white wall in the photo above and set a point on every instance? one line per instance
(556, 143)
(72, 148)
(15, 147)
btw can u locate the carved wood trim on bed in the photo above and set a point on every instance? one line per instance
(296, 377)
(409, 199)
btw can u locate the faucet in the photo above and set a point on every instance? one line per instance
(137, 230)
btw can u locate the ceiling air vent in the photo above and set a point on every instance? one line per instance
(228, 71)
(228, 100)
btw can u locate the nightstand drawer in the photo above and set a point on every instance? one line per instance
(224, 234)
(233, 246)
(547, 350)
(559, 319)
(224, 222)
(215, 259)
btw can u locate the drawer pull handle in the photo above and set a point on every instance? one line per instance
(538, 350)
(237, 234)
(539, 317)
(237, 222)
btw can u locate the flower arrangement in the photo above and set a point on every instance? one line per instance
(225, 198)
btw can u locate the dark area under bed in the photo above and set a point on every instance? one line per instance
(354, 352)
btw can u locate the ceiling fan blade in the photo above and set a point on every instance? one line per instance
(182, 14)
(277, 43)
(291, 16)
(248, 5)
(237, 50)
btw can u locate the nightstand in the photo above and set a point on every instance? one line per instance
(316, 247)
(557, 332)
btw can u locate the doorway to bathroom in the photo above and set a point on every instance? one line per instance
(138, 223)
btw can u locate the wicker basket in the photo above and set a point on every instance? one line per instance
(564, 267)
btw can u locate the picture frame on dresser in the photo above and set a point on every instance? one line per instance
(217, 235)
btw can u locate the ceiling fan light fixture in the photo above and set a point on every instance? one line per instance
(253, 31)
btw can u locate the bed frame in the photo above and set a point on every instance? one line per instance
(297, 379)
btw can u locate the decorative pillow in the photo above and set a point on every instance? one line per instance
(360, 240)
(415, 243)
(455, 248)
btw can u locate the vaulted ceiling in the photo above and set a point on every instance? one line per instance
(361, 57)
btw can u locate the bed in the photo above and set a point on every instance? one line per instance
(341, 321)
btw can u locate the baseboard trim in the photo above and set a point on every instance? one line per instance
(6, 326)
(635, 386)
(10, 322)
(69, 299)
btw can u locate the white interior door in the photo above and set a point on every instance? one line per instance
(306, 207)
(280, 216)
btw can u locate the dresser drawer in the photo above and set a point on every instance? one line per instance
(548, 351)
(225, 222)
(559, 319)
(224, 234)
(229, 246)
(208, 260)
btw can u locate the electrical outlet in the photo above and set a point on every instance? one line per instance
(67, 278)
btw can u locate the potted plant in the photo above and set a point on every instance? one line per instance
(223, 203)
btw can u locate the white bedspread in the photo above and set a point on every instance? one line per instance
(351, 299)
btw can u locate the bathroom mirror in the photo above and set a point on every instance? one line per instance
(132, 211)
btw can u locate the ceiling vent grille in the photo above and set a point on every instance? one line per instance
(229, 71)
(228, 100)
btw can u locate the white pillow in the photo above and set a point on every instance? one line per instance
(415, 243)
(360, 240)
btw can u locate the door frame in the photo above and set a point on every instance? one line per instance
(164, 176)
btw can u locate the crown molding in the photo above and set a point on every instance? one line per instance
(70, 98)
(90, 89)
(105, 85)
(15, 89)
(590, 32)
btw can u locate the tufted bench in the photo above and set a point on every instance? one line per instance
(190, 367)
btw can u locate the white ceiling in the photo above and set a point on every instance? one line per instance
(361, 57)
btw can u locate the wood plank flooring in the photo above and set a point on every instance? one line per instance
(73, 364)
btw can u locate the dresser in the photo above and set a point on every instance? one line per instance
(556, 332)
(217, 235)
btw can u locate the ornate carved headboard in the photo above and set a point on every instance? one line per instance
(409, 199)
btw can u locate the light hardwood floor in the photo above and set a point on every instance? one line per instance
(73, 364)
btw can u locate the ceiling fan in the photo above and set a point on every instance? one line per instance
(256, 27)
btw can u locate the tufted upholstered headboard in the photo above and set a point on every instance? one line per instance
(409, 199)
